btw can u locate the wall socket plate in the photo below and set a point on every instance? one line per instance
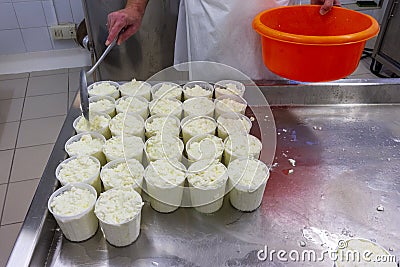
(63, 31)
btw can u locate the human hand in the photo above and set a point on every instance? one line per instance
(127, 19)
(326, 5)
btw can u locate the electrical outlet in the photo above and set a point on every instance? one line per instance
(63, 31)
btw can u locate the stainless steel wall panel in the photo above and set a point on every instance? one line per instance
(150, 50)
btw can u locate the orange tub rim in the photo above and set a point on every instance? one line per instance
(361, 36)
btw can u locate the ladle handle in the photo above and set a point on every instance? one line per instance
(105, 53)
(84, 95)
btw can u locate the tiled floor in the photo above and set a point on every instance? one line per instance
(32, 110)
(33, 107)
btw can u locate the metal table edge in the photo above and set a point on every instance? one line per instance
(30, 234)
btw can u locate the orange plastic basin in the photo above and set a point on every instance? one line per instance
(300, 44)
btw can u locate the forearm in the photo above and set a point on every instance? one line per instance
(139, 5)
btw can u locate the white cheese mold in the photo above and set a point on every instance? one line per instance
(73, 208)
(84, 169)
(129, 147)
(163, 146)
(98, 122)
(197, 89)
(136, 88)
(165, 184)
(230, 103)
(133, 104)
(233, 123)
(123, 173)
(86, 144)
(241, 146)
(162, 125)
(195, 125)
(229, 87)
(119, 214)
(104, 88)
(102, 104)
(127, 124)
(166, 90)
(166, 107)
(198, 106)
(204, 146)
(207, 183)
(247, 181)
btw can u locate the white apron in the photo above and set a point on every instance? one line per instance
(221, 31)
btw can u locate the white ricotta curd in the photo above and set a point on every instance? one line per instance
(195, 125)
(239, 145)
(73, 208)
(162, 125)
(197, 89)
(130, 104)
(136, 88)
(198, 106)
(165, 180)
(97, 123)
(102, 104)
(204, 147)
(232, 123)
(207, 182)
(121, 173)
(166, 107)
(86, 144)
(229, 87)
(164, 146)
(247, 179)
(127, 124)
(119, 213)
(166, 90)
(104, 88)
(229, 105)
(119, 147)
(85, 169)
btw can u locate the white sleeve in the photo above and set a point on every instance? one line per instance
(181, 45)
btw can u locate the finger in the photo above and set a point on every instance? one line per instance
(115, 29)
(110, 24)
(131, 30)
(326, 7)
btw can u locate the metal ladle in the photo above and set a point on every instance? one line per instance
(83, 81)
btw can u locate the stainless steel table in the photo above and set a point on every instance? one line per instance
(345, 139)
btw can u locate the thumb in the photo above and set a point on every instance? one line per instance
(326, 7)
(115, 29)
